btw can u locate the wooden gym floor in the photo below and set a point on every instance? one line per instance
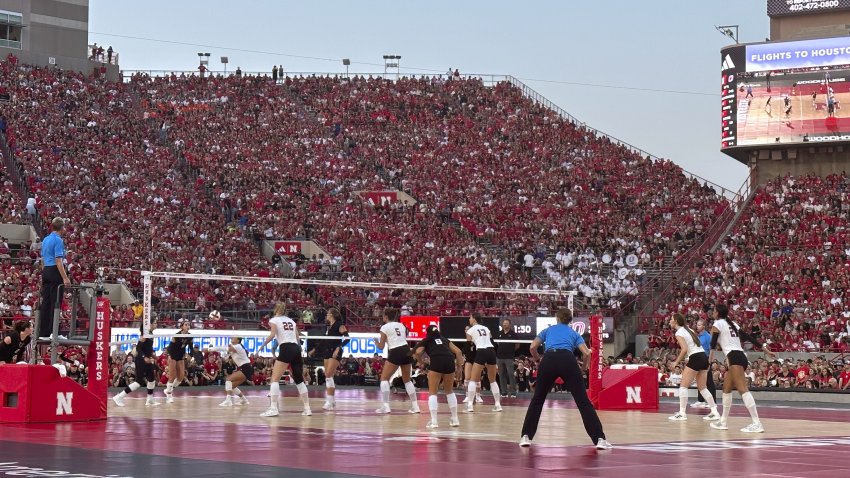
(195, 437)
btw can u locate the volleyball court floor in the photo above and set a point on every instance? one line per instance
(195, 437)
(760, 123)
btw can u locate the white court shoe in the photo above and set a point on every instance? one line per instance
(603, 444)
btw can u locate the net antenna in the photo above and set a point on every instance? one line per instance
(148, 276)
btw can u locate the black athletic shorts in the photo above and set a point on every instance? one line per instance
(698, 362)
(442, 364)
(485, 356)
(247, 370)
(175, 352)
(400, 356)
(736, 357)
(144, 370)
(289, 353)
(328, 353)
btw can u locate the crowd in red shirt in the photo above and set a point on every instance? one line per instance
(183, 174)
(784, 268)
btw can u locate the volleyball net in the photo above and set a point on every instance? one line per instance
(525, 327)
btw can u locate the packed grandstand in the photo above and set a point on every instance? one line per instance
(191, 174)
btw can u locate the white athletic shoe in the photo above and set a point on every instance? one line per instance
(603, 444)
(753, 428)
(678, 417)
(454, 422)
(699, 405)
(169, 397)
(328, 406)
(469, 407)
(478, 399)
(719, 425)
(271, 412)
(384, 410)
(118, 401)
(525, 442)
(307, 412)
(151, 403)
(414, 409)
(513, 395)
(465, 399)
(497, 408)
(243, 400)
(432, 424)
(226, 403)
(711, 417)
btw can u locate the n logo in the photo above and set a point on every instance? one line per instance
(727, 63)
(63, 403)
(633, 395)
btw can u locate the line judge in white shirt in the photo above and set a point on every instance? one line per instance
(394, 336)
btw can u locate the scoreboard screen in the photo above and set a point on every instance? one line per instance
(785, 93)
(417, 326)
(786, 8)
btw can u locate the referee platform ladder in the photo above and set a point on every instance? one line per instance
(41, 393)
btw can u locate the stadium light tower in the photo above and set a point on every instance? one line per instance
(392, 61)
(727, 30)
(347, 62)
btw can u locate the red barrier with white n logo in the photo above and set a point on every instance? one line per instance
(98, 353)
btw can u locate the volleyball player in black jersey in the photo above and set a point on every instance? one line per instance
(332, 354)
(445, 363)
(145, 362)
(176, 365)
(13, 345)
(469, 359)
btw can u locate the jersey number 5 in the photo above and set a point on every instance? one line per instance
(398, 332)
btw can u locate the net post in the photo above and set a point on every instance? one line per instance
(146, 302)
(596, 355)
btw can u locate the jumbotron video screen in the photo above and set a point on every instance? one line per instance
(785, 92)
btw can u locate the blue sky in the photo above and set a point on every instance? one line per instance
(665, 45)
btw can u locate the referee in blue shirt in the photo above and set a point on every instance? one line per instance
(705, 341)
(559, 360)
(52, 276)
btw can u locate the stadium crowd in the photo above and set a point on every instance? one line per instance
(187, 174)
(201, 167)
(783, 269)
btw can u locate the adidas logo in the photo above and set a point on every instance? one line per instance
(727, 64)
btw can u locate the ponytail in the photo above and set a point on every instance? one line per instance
(680, 321)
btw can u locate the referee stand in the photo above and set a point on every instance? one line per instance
(41, 393)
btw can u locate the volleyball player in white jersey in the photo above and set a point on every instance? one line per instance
(394, 337)
(726, 334)
(485, 356)
(244, 371)
(697, 367)
(285, 331)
